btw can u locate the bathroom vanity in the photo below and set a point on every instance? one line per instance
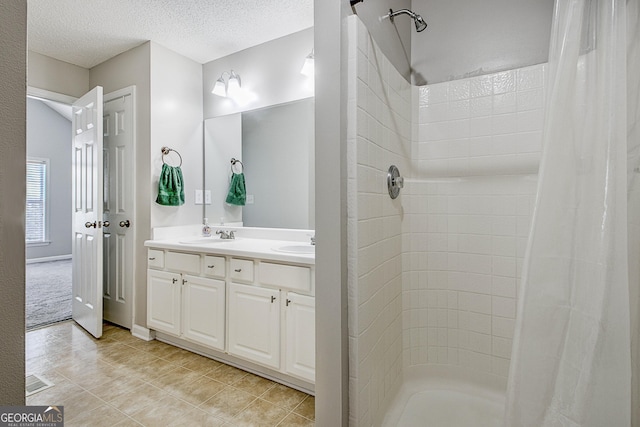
(248, 301)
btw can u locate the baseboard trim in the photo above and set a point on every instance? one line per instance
(143, 333)
(48, 259)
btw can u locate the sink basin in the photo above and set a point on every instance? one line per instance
(296, 249)
(204, 240)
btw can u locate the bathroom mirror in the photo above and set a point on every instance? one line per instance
(276, 147)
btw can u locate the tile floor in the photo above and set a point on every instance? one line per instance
(121, 380)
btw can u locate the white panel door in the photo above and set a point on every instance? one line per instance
(163, 301)
(119, 208)
(254, 324)
(87, 211)
(203, 314)
(300, 358)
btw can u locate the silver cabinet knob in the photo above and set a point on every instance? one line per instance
(126, 224)
(106, 223)
(90, 224)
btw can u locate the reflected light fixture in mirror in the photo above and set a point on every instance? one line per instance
(308, 68)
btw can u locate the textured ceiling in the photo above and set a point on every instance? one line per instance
(88, 32)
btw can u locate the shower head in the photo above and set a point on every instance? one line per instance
(417, 19)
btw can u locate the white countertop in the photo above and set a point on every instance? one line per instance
(246, 247)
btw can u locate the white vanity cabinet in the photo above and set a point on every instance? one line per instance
(271, 325)
(254, 324)
(256, 312)
(163, 301)
(186, 305)
(300, 354)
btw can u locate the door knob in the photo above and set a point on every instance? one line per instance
(125, 223)
(90, 224)
(106, 223)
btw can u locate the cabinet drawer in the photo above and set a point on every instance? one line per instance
(155, 258)
(241, 269)
(186, 263)
(287, 276)
(214, 266)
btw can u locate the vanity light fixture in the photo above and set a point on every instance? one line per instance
(228, 88)
(308, 68)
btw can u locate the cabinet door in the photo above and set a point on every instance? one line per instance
(254, 324)
(300, 357)
(163, 301)
(203, 311)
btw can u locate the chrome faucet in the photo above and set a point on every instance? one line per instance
(226, 235)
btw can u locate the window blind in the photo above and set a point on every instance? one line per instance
(36, 201)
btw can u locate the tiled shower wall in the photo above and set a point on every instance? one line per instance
(468, 210)
(379, 134)
(433, 274)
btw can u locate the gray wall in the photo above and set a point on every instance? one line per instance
(49, 137)
(57, 76)
(277, 148)
(466, 38)
(332, 347)
(133, 68)
(13, 136)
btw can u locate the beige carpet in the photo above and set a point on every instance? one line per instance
(48, 293)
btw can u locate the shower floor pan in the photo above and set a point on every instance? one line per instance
(435, 400)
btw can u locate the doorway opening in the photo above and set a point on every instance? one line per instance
(48, 213)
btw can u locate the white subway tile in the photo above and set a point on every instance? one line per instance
(503, 327)
(530, 78)
(480, 86)
(481, 106)
(504, 307)
(530, 121)
(501, 347)
(480, 323)
(504, 82)
(459, 89)
(480, 343)
(500, 366)
(504, 103)
(530, 99)
(504, 286)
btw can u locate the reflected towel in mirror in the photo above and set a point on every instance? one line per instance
(237, 190)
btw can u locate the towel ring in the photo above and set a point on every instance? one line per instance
(233, 163)
(167, 150)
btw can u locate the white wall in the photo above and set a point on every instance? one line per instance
(133, 68)
(470, 38)
(13, 72)
(176, 122)
(48, 136)
(57, 76)
(271, 71)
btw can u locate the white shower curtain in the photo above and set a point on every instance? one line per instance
(571, 361)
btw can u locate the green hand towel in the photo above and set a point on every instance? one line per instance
(237, 190)
(170, 186)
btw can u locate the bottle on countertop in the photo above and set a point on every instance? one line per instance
(206, 229)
